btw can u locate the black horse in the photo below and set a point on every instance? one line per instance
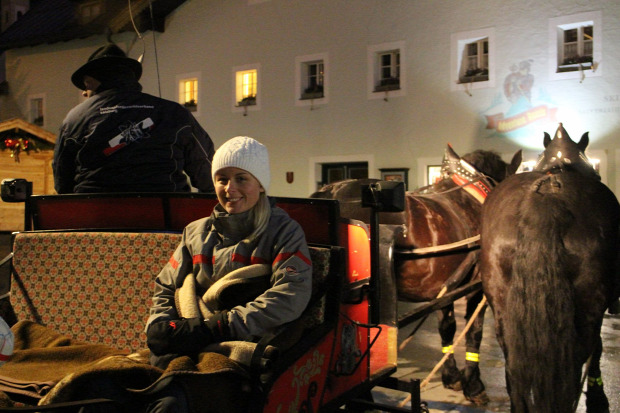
(443, 213)
(549, 251)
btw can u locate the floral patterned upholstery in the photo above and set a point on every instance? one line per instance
(96, 286)
(93, 286)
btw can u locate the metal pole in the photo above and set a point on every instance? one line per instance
(375, 284)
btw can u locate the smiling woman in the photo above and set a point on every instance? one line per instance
(244, 229)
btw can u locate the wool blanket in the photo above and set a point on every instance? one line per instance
(50, 368)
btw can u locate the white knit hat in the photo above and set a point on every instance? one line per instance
(244, 153)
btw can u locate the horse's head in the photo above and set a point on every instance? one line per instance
(492, 165)
(562, 153)
(478, 165)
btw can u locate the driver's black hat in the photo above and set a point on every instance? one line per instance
(104, 59)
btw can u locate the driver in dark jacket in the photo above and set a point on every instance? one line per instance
(123, 140)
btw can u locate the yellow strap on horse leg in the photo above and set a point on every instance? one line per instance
(447, 349)
(594, 381)
(445, 357)
(472, 356)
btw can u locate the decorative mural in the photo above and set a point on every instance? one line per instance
(520, 110)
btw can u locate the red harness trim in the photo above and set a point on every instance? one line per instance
(476, 189)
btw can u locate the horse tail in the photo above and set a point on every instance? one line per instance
(540, 333)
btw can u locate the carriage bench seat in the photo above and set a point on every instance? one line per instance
(96, 287)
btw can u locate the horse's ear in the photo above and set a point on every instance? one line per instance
(584, 141)
(515, 163)
(451, 154)
(546, 140)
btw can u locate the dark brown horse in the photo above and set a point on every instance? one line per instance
(441, 214)
(549, 249)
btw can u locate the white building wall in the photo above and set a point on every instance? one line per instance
(212, 37)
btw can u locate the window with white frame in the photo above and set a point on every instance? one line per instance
(36, 104)
(575, 45)
(246, 81)
(472, 59)
(311, 79)
(386, 71)
(475, 63)
(389, 71)
(314, 75)
(188, 92)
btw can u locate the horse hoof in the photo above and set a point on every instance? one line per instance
(456, 386)
(479, 399)
(451, 376)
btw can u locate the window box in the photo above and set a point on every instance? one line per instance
(313, 93)
(191, 105)
(572, 64)
(391, 83)
(247, 101)
(475, 75)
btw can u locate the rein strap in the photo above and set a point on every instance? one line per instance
(440, 248)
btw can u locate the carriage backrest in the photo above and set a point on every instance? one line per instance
(163, 212)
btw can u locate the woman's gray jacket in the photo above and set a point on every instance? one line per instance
(212, 247)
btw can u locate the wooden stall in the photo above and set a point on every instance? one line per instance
(27, 152)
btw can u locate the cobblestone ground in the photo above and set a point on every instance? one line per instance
(424, 352)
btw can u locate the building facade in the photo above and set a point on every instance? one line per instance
(385, 84)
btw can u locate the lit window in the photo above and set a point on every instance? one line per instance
(37, 110)
(188, 94)
(246, 80)
(386, 71)
(472, 59)
(575, 46)
(247, 88)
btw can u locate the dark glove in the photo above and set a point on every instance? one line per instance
(218, 326)
(185, 336)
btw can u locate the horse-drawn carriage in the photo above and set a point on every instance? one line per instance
(84, 268)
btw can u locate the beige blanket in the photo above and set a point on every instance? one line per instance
(47, 368)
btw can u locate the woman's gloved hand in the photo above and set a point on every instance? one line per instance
(184, 336)
(187, 335)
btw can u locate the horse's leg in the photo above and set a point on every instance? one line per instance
(596, 400)
(473, 388)
(450, 375)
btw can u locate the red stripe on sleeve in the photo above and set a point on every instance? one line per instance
(202, 259)
(258, 260)
(240, 258)
(286, 256)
